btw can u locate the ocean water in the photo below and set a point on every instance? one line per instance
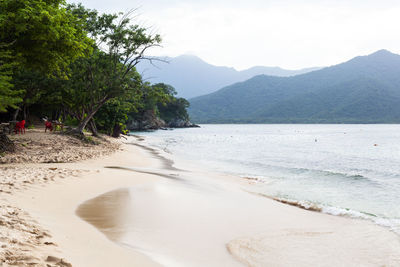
(348, 170)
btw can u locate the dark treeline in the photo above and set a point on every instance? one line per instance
(73, 64)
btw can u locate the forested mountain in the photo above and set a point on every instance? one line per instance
(192, 77)
(365, 89)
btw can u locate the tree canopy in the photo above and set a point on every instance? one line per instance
(42, 34)
(9, 97)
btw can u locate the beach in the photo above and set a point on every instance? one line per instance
(129, 206)
(41, 198)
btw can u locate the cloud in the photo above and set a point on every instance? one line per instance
(287, 33)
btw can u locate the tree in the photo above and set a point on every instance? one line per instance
(34, 85)
(43, 37)
(43, 34)
(156, 94)
(8, 96)
(109, 72)
(91, 86)
(172, 108)
(159, 101)
(113, 116)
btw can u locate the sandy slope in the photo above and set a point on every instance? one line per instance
(23, 241)
(53, 207)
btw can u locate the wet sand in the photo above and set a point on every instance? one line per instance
(138, 211)
(204, 219)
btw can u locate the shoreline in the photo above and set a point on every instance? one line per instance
(310, 209)
(260, 181)
(54, 207)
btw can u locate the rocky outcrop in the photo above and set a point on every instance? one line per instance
(150, 121)
(180, 123)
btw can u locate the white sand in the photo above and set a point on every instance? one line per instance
(257, 231)
(54, 205)
(23, 241)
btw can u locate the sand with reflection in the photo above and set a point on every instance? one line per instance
(203, 219)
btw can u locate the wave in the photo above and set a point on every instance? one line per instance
(392, 223)
(282, 171)
(328, 173)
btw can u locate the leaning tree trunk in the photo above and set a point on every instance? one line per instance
(6, 145)
(93, 128)
(79, 130)
(82, 125)
(85, 121)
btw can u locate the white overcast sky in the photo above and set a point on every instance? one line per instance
(291, 34)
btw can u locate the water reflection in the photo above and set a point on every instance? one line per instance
(108, 212)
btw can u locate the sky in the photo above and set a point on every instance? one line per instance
(291, 34)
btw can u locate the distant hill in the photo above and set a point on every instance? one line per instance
(365, 89)
(192, 77)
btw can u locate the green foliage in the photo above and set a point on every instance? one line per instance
(39, 37)
(160, 98)
(176, 109)
(71, 121)
(155, 95)
(33, 85)
(43, 35)
(115, 112)
(92, 85)
(171, 108)
(9, 97)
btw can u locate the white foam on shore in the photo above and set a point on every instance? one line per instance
(392, 224)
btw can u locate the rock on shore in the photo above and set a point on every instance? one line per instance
(150, 121)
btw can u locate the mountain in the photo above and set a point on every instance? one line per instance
(273, 71)
(365, 89)
(192, 77)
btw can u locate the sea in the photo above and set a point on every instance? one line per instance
(340, 169)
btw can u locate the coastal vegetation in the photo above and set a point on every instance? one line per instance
(69, 63)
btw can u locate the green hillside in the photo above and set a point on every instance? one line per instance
(363, 90)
